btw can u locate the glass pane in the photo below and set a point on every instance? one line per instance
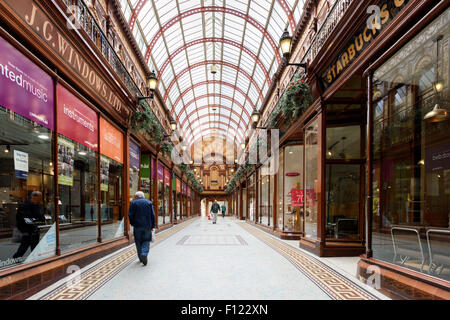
(78, 207)
(293, 188)
(280, 190)
(411, 169)
(160, 203)
(342, 201)
(312, 186)
(166, 203)
(24, 196)
(111, 191)
(344, 142)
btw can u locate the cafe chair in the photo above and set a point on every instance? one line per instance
(439, 250)
(407, 245)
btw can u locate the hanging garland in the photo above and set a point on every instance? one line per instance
(295, 100)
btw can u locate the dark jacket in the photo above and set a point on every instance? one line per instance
(215, 208)
(32, 211)
(141, 214)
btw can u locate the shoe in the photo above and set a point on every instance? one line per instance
(140, 258)
(144, 260)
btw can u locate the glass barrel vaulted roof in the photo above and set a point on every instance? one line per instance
(182, 39)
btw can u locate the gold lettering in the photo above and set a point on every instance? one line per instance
(85, 72)
(92, 78)
(29, 20)
(104, 90)
(361, 43)
(329, 77)
(338, 67)
(333, 70)
(351, 52)
(98, 84)
(71, 55)
(78, 62)
(399, 3)
(384, 14)
(345, 59)
(367, 38)
(47, 36)
(63, 45)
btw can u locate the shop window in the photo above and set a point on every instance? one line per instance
(280, 193)
(26, 187)
(111, 180)
(411, 156)
(344, 142)
(78, 194)
(134, 169)
(264, 186)
(293, 188)
(252, 198)
(312, 186)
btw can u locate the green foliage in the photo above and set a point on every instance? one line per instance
(145, 122)
(295, 100)
(191, 177)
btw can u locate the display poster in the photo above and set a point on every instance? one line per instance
(437, 157)
(166, 177)
(66, 152)
(46, 247)
(76, 120)
(178, 185)
(24, 87)
(189, 192)
(120, 230)
(104, 173)
(134, 156)
(160, 173)
(21, 164)
(296, 197)
(145, 175)
(111, 141)
(183, 189)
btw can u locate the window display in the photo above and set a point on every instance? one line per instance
(161, 205)
(293, 188)
(411, 154)
(134, 169)
(311, 179)
(111, 148)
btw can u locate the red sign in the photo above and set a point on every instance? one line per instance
(76, 120)
(292, 174)
(166, 177)
(178, 186)
(111, 141)
(297, 197)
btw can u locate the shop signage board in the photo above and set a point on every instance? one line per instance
(76, 120)
(54, 39)
(183, 189)
(134, 156)
(174, 183)
(166, 177)
(66, 153)
(178, 185)
(189, 192)
(153, 168)
(160, 173)
(24, 87)
(21, 164)
(145, 175)
(296, 197)
(104, 173)
(111, 141)
(373, 25)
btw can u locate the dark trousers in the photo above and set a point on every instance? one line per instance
(31, 240)
(142, 238)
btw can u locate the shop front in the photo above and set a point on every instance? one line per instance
(409, 168)
(184, 200)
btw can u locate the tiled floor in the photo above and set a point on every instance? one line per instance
(199, 260)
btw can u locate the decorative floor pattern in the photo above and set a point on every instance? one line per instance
(93, 278)
(212, 240)
(336, 286)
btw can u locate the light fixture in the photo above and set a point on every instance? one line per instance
(213, 69)
(152, 81)
(43, 137)
(286, 47)
(191, 162)
(438, 113)
(82, 153)
(421, 162)
(7, 149)
(329, 153)
(184, 147)
(195, 169)
(51, 164)
(173, 125)
(243, 145)
(235, 160)
(232, 170)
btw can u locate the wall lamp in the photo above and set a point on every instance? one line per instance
(256, 116)
(152, 81)
(286, 48)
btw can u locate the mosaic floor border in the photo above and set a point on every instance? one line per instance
(336, 286)
(90, 280)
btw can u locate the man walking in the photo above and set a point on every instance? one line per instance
(224, 209)
(142, 218)
(214, 211)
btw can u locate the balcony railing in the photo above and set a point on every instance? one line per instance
(86, 20)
